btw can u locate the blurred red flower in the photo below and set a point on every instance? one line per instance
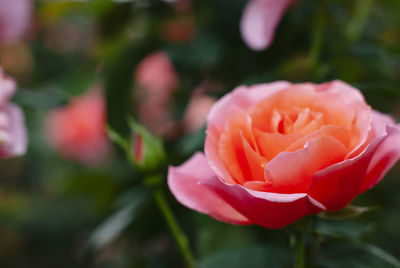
(77, 131)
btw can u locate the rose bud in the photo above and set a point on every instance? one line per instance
(259, 21)
(13, 140)
(277, 152)
(147, 151)
(15, 19)
(77, 131)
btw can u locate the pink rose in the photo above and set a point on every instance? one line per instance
(156, 74)
(13, 140)
(277, 152)
(15, 19)
(259, 21)
(77, 131)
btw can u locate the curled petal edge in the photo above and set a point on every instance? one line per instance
(270, 210)
(185, 184)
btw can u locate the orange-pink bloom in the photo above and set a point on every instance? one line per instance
(277, 152)
(78, 131)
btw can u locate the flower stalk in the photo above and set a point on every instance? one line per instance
(177, 233)
(300, 250)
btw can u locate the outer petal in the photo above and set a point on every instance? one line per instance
(259, 21)
(16, 145)
(385, 156)
(243, 98)
(380, 121)
(337, 185)
(269, 210)
(185, 184)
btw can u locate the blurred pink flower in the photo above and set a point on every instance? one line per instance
(15, 18)
(156, 74)
(196, 112)
(156, 79)
(13, 140)
(259, 21)
(77, 131)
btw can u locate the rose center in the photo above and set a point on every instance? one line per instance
(295, 122)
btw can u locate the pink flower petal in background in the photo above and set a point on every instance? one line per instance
(156, 80)
(15, 19)
(259, 21)
(8, 88)
(196, 112)
(156, 74)
(13, 138)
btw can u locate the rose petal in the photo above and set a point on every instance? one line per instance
(379, 122)
(255, 161)
(270, 210)
(385, 156)
(291, 172)
(337, 185)
(184, 183)
(260, 20)
(211, 150)
(271, 144)
(340, 133)
(347, 107)
(241, 98)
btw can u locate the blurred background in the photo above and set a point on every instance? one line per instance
(74, 200)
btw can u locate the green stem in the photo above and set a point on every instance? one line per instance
(300, 250)
(179, 236)
(357, 23)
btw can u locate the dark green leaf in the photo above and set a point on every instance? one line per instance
(112, 227)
